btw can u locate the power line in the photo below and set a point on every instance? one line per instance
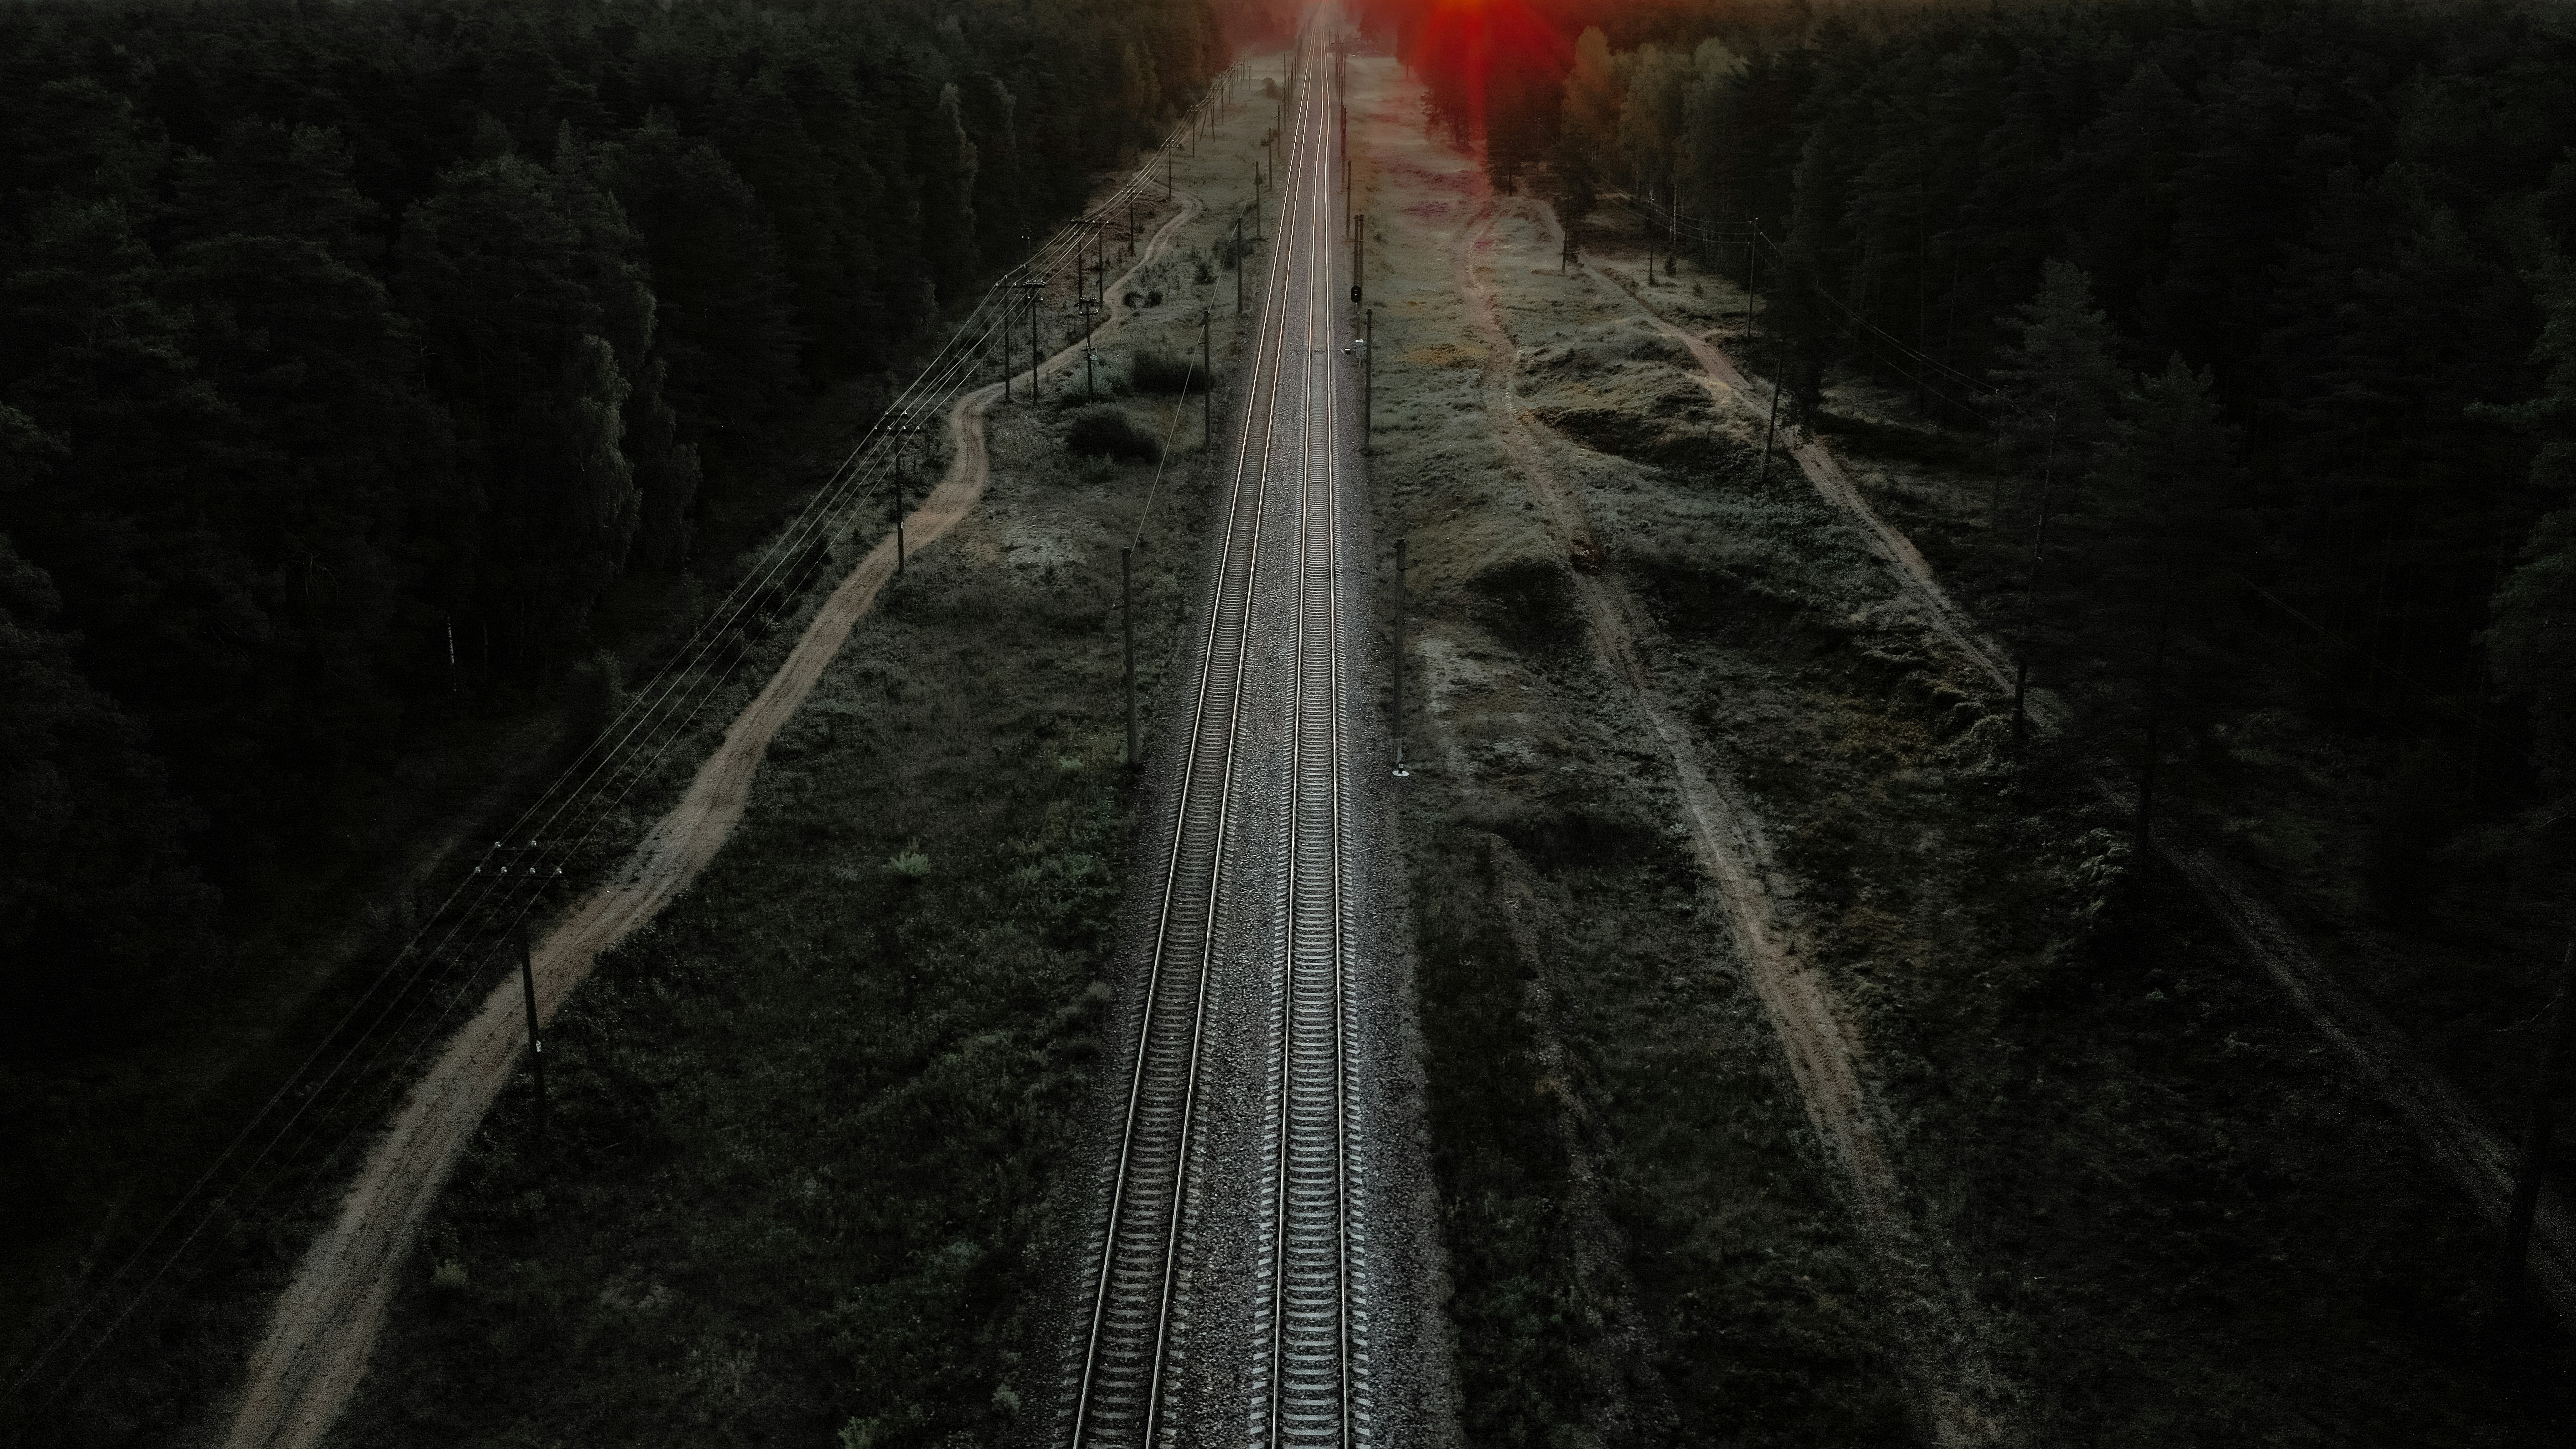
(578, 806)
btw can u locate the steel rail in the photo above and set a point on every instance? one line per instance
(1125, 1354)
(1310, 1400)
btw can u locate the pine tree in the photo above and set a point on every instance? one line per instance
(2163, 558)
(2532, 643)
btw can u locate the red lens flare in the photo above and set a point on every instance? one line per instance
(1473, 53)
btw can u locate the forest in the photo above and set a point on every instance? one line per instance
(351, 356)
(2265, 312)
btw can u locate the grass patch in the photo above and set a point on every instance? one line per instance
(2172, 1213)
(1642, 1245)
(806, 1155)
(821, 1134)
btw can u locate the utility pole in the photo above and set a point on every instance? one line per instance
(1131, 226)
(902, 462)
(1239, 264)
(1359, 255)
(2544, 1122)
(1089, 392)
(1207, 380)
(1032, 286)
(1127, 624)
(1398, 730)
(536, 1043)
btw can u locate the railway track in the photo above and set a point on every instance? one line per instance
(1304, 1386)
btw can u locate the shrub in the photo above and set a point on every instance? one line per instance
(1109, 433)
(1152, 371)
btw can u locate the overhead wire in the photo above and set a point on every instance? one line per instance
(487, 905)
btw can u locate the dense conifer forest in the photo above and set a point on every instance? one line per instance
(2310, 263)
(353, 354)
(2266, 314)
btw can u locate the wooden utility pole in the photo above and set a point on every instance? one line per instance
(1090, 393)
(536, 1043)
(1239, 263)
(1207, 380)
(1359, 255)
(902, 461)
(1032, 287)
(1647, 214)
(2544, 1123)
(911, 427)
(1127, 625)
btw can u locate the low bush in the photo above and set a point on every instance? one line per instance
(1151, 371)
(1106, 432)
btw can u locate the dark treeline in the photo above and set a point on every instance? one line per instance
(350, 353)
(2269, 307)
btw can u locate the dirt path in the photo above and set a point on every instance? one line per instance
(1729, 387)
(325, 1324)
(2453, 1132)
(1946, 1360)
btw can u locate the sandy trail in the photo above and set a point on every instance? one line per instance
(1729, 387)
(1948, 1367)
(2453, 1132)
(314, 1354)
